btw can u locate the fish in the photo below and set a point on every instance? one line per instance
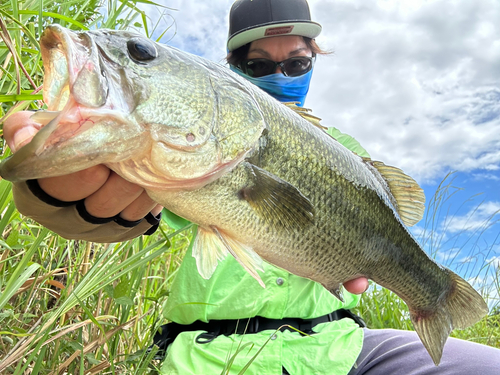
(261, 181)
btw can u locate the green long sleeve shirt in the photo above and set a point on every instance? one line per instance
(231, 293)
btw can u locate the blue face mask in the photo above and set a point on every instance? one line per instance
(281, 87)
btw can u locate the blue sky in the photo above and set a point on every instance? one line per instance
(418, 84)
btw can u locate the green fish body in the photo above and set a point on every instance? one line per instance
(260, 180)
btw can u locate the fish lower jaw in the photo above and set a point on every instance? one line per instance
(74, 119)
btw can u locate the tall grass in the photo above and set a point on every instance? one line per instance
(72, 306)
(82, 308)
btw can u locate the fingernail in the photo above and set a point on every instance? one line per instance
(156, 210)
(22, 137)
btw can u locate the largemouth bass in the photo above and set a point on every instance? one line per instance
(260, 181)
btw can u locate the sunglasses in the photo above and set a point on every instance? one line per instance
(292, 67)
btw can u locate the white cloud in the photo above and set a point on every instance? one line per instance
(494, 261)
(416, 82)
(478, 218)
(449, 256)
(199, 27)
(485, 176)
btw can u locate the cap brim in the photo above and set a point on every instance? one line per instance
(308, 29)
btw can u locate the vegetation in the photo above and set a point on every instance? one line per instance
(72, 306)
(79, 307)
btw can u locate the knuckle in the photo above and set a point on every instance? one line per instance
(96, 175)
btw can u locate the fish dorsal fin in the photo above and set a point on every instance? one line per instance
(275, 201)
(305, 113)
(409, 196)
(211, 245)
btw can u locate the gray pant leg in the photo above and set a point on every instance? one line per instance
(389, 351)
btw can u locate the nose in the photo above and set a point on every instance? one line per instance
(278, 69)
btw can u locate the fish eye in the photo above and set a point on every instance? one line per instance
(141, 50)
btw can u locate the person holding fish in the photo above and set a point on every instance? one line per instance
(271, 44)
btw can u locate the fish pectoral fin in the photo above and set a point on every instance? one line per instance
(245, 255)
(211, 245)
(208, 250)
(409, 196)
(276, 201)
(335, 290)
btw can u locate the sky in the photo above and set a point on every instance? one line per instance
(417, 83)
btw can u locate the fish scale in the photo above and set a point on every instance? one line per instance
(260, 180)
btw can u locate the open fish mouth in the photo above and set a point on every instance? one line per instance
(76, 92)
(75, 86)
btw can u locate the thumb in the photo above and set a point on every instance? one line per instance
(357, 286)
(19, 129)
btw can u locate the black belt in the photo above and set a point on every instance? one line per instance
(167, 333)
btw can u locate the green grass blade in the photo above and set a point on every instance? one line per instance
(20, 97)
(15, 282)
(39, 361)
(58, 16)
(102, 274)
(22, 272)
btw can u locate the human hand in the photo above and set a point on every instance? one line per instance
(106, 194)
(356, 286)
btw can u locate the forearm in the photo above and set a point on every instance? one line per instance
(69, 219)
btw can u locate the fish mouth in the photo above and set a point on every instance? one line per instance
(76, 94)
(75, 87)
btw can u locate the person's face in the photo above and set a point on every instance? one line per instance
(278, 48)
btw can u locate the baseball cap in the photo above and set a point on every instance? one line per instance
(250, 20)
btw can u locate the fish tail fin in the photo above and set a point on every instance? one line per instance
(460, 308)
